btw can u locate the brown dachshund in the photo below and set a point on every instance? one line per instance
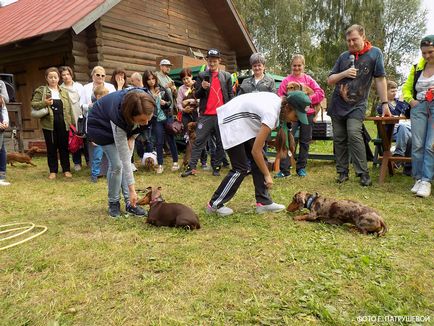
(22, 157)
(338, 212)
(294, 86)
(168, 214)
(191, 133)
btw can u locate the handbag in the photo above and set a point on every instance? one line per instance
(173, 127)
(74, 141)
(40, 113)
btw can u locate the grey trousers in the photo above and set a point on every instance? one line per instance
(348, 141)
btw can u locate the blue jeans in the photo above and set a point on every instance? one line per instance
(160, 133)
(402, 135)
(2, 157)
(422, 152)
(115, 179)
(95, 165)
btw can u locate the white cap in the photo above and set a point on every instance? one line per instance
(165, 62)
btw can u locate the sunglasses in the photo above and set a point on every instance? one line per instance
(427, 43)
(100, 75)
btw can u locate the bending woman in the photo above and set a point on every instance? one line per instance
(114, 122)
(245, 123)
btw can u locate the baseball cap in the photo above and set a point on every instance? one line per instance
(165, 62)
(213, 53)
(427, 41)
(299, 100)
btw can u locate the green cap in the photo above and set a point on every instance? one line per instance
(427, 41)
(299, 101)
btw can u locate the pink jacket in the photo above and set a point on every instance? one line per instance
(306, 80)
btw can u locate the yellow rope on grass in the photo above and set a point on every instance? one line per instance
(26, 226)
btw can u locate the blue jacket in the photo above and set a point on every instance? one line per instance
(106, 110)
(401, 108)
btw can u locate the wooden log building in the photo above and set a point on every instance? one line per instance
(133, 34)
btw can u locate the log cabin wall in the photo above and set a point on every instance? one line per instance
(135, 32)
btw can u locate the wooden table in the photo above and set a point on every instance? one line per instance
(386, 138)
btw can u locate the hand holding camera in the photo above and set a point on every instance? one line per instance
(48, 100)
(205, 83)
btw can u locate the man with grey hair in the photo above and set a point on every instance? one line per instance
(136, 79)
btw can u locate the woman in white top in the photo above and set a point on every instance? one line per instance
(75, 91)
(98, 78)
(245, 123)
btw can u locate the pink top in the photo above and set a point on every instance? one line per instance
(306, 80)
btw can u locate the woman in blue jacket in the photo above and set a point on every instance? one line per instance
(114, 122)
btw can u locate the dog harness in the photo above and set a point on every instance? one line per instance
(310, 201)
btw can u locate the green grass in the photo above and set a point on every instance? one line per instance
(241, 270)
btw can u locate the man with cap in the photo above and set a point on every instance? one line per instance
(245, 124)
(165, 80)
(352, 76)
(214, 88)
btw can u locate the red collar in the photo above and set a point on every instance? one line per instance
(365, 49)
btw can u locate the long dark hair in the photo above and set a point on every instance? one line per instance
(146, 75)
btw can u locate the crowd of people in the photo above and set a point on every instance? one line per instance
(233, 121)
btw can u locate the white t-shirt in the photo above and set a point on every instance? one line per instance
(422, 85)
(241, 118)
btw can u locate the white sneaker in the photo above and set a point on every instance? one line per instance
(77, 167)
(133, 167)
(160, 169)
(272, 208)
(416, 186)
(424, 189)
(175, 166)
(222, 211)
(4, 183)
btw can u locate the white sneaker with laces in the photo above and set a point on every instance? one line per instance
(272, 208)
(424, 189)
(160, 169)
(4, 183)
(416, 186)
(175, 166)
(222, 211)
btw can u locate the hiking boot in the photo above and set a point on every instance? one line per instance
(160, 169)
(365, 180)
(114, 209)
(216, 171)
(281, 175)
(302, 173)
(188, 171)
(424, 189)
(175, 166)
(271, 208)
(136, 210)
(222, 211)
(416, 187)
(342, 177)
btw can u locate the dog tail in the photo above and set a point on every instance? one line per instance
(384, 229)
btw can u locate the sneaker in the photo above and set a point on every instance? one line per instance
(160, 169)
(272, 208)
(205, 167)
(114, 209)
(77, 167)
(416, 187)
(189, 171)
(342, 177)
(222, 211)
(175, 166)
(136, 210)
(216, 171)
(365, 180)
(93, 179)
(4, 182)
(281, 175)
(68, 174)
(302, 173)
(133, 167)
(424, 189)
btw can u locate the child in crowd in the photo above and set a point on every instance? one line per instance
(97, 152)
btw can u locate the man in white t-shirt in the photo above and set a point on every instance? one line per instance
(245, 123)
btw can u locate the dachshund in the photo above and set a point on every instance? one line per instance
(294, 86)
(338, 212)
(168, 214)
(25, 157)
(191, 137)
(149, 161)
